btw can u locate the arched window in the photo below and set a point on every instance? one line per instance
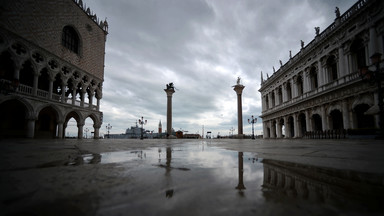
(313, 77)
(358, 53)
(70, 39)
(289, 91)
(299, 83)
(332, 68)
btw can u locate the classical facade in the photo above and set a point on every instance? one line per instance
(319, 92)
(51, 67)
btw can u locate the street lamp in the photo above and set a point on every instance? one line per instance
(252, 121)
(374, 73)
(142, 122)
(108, 127)
(232, 129)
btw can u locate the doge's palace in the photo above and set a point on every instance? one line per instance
(319, 92)
(51, 67)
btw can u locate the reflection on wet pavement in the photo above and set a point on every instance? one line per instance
(197, 179)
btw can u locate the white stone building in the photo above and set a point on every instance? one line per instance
(51, 67)
(319, 91)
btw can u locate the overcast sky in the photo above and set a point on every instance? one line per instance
(202, 46)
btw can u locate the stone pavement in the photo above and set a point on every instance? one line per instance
(89, 177)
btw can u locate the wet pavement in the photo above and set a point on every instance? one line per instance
(191, 177)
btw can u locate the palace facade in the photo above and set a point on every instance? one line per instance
(51, 67)
(319, 92)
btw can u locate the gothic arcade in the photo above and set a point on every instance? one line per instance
(51, 68)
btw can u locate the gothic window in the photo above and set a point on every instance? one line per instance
(27, 74)
(70, 39)
(6, 66)
(313, 78)
(43, 82)
(358, 53)
(332, 68)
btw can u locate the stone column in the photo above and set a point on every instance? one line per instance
(239, 89)
(308, 121)
(320, 74)
(80, 130)
(278, 130)
(284, 92)
(307, 85)
(82, 97)
(74, 94)
(345, 113)
(90, 105)
(31, 128)
(272, 129)
(35, 84)
(324, 121)
(50, 91)
(296, 125)
(60, 130)
(169, 91)
(63, 99)
(341, 61)
(373, 43)
(265, 130)
(96, 134)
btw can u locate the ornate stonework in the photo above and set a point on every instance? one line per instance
(320, 88)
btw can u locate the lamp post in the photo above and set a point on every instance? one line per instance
(252, 121)
(373, 73)
(142, 122)
(231, 131)
(108, 127)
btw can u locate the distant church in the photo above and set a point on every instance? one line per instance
(325, 91)
(51, 67)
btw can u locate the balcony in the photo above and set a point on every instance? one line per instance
(6, 87)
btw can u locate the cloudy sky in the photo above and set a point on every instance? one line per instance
(202, 46)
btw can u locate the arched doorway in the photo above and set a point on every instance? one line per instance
(317, 124)
(71, 125)
(363, 121)
(89, 129)
(13, 123)
(302, 124)
(336, 120)
(46, 125)
(291, 126)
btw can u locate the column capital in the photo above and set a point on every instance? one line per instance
(238, 89)
(169, 91)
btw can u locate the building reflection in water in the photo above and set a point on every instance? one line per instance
(342, 188)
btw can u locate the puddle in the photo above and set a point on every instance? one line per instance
(185, 174)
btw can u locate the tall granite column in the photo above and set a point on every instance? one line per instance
(239, 89)
(169, 90)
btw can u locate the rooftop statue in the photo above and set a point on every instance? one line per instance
(170, 86)
(337, 12)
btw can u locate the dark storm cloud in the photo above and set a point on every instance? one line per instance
(201, 46)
